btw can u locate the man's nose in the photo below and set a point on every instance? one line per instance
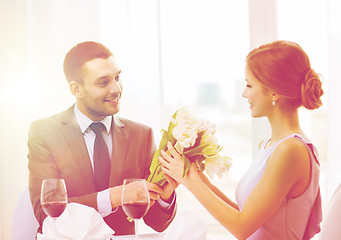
(115, 87)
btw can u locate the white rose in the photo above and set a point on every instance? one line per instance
(185, 135)
(217, 165)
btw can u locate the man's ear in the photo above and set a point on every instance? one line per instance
(75, 88)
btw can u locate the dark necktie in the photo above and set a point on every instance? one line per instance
(101, 158)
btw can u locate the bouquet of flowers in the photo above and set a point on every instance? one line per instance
(194, 139)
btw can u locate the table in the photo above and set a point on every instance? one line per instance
(149, 236)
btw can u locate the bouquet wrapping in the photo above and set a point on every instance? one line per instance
(194, 139)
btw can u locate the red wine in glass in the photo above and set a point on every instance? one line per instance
(135, 200)
(54, 209)
(53, 198)
(136, 210)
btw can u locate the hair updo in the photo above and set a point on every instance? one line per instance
(284, 67)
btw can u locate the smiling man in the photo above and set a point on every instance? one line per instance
(66, 145)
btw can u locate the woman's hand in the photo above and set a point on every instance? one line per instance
(173, 166)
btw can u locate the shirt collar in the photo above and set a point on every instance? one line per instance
(84, 122)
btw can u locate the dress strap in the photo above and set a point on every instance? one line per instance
(315, 218)
(263, 144)
(310, 146)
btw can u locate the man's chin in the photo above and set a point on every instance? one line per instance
(114, 110)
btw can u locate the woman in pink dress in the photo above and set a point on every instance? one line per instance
(279, 197)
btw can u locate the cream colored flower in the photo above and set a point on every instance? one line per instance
(185, 135)
(210, 139)
(186, 128)
(206, 126)
(217, 165)
(184, 116)
(183, 131)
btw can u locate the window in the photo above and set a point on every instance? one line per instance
(186, 53)
(177, 53)
(204, 45)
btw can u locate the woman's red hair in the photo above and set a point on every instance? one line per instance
(284, 68)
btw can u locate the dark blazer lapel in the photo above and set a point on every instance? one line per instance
(77, 146)
(119, 151)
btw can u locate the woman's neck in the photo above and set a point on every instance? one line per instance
(284, 123)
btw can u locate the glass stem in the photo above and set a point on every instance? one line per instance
(55, 228)
(136, 229)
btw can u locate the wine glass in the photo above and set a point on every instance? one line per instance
(135, 200)
(53, 198)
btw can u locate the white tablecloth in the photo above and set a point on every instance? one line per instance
(82, 222)
(151, 236)
(185, 226)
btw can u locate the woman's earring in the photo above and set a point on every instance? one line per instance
(273, 99)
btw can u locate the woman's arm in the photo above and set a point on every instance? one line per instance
(287, 173)
(217, 191)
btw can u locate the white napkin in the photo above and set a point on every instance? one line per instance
(186, 226)
(78, 222)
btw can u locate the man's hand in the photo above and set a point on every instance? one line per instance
(154, 192)
(116, 194)
(169, 188)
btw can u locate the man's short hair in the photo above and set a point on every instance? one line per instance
(80, 54)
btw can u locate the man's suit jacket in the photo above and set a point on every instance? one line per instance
(57, 150)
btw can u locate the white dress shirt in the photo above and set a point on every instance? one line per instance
(103, 197)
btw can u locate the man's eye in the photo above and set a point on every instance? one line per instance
(248, 85)
(104, 82)
(117, 78)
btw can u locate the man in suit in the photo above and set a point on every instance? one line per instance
(62, 146)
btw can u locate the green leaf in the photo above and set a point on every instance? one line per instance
(161, 182)
(194, 151)
(156, 175)
(187, 166)
(171, 126)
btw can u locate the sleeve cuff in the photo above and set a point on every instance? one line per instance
(104, 203)
(165, 205)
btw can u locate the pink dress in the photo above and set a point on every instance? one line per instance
(297, 218)
(331, 222)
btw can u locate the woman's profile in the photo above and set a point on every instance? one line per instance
(278, 197)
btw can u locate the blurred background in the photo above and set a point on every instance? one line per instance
(172, 53)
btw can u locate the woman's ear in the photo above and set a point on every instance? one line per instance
(75, 89)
